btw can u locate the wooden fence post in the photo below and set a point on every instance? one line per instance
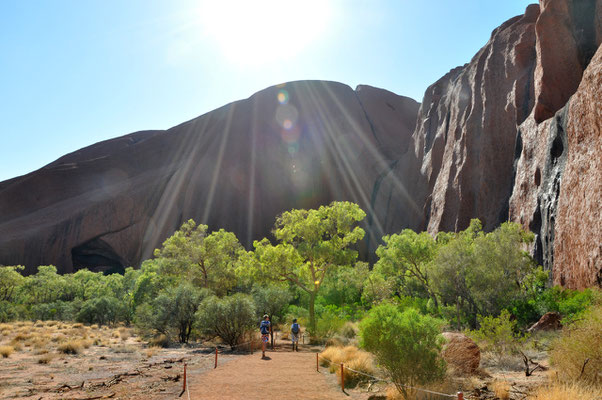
(215, 358)
(317, 363)
(342, 377)
(460, 396)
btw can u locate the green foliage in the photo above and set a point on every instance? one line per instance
(205, 260)
(569, 303)
(272, 300)
(405, 258)
(8, 311)
(329, 322)
(312, 242)
(57, 310)
(406, 344)
(10, 280)
(100, 310)
(479, 273)
(497, 334)
(229, 317)
(172, 313)
(577, 354)
(343, 286)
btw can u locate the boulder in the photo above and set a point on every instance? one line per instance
(461, 352)
(550, 321)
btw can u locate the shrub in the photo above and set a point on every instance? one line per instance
(46, 358)
(558, 391)
(229, 317)
(406, 344)
(70, 347)
(6, 351)
(351, 357)
(501, 389)
(577, 354)
(496, 334)
(101, 310)
(348, 330)
(159, 341)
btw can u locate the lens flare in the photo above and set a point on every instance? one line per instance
(283, 97)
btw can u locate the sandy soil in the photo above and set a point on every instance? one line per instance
(283, 375)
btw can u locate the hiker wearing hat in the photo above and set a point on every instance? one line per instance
(265, 328)
(295, 330)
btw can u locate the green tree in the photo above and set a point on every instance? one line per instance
(229, 317)
(45, 286)
(100, 310)
(312, 242)
(205, 260)
(10, 280)
(406, 344)
(481, 274)
(407, 256)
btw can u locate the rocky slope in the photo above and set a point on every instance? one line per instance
(297, 145)
(512, 135)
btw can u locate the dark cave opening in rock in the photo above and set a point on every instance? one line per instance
(98, 256)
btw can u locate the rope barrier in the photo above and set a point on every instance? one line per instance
(458, 395)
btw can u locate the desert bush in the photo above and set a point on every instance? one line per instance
(229, 317)
(172, 313)
(328, 323)
(406, 344)
(8, 311)
(501, 389)
(101, 310)
(6, 351)
(70, 347)
(123, 349)
(577, 354)
(351, 357)
(496, 334)
(559, 391)
(360, 361)
(46, 358)
(348, 330)
(159, 341)
(124, 333)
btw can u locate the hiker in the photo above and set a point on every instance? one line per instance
(265, 328)
(295, 330)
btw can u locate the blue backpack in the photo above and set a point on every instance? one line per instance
(264, 327)
(295, 328)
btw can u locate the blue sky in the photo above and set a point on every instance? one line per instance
(74, 72)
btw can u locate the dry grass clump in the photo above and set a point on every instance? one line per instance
(349, 330)
(123, 349)
(559, 391)
(77, 325)
(22, 337)
(71, 346)
(17, 346)
(6, 351)
(577, 354)
(351, 357)
(46, 358)
(124, 333)
(151, 351)
(159, 341)
(95, 326)
(501, 389)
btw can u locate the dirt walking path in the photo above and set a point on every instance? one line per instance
(283, 375)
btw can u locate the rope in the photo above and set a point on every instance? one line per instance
(389, 381)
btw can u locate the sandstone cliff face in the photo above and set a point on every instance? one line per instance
(466, 130)
(512, 135)
(301, 144)
(578, 239)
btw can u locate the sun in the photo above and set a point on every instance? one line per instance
(255, 32)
